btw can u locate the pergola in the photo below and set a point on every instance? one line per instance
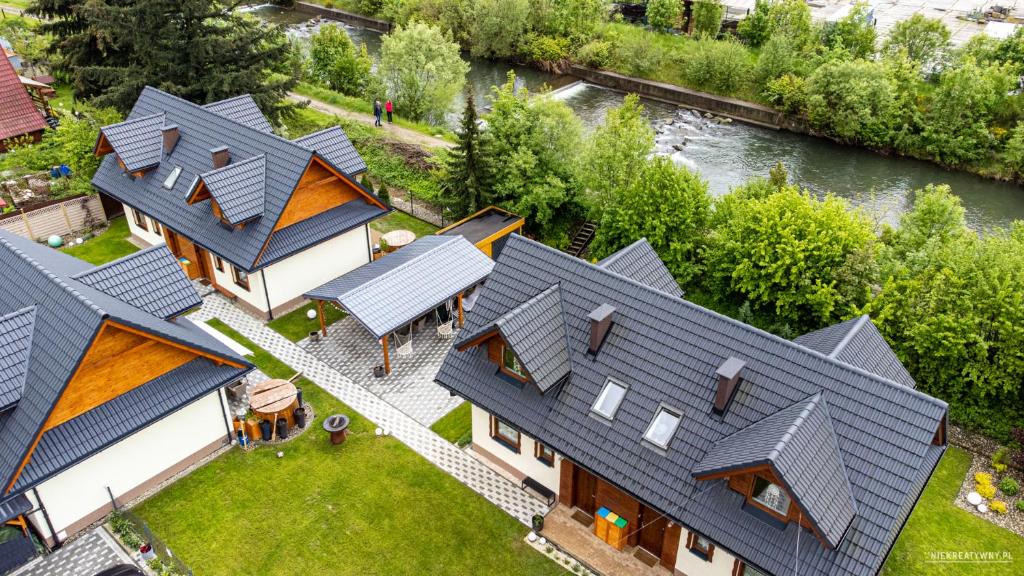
(392, 292)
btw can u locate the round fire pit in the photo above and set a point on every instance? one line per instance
(337, 425)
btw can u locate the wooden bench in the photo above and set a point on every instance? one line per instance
(540, 489)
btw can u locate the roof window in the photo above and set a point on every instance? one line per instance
(609, 399)
(172, 178)
(663, 427)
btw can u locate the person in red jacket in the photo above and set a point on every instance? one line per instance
(389, 108)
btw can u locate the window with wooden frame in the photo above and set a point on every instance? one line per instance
(741, 568)
(157, 229)
(218, 263)
(544, 454)
(505, 434)
(240, 277)
(769, 497)
(700, 546)
(140, 219)
(510, 364)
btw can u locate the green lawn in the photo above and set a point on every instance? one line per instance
(109, 245)
(937, 525)
(457, 425)
(371, 506)
(295, 325)
(402, 221)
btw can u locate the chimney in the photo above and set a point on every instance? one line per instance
(221, 157)
(600, 324)
(171, 136)
(728, 381)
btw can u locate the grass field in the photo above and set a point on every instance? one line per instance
(111, 244)
(457, 425)
(402, 221)
(370, 506)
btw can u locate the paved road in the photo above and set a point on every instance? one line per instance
(394, 130)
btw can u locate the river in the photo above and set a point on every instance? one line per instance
(727, 154)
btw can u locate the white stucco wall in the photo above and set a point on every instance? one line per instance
(692, 565)
(295, 275)
(254, 295)
(82, 489)
(525, 461)
(148, 236)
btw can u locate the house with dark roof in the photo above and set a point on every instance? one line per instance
(261, 218)
(19, 118)
(719, 449)
(106, 390)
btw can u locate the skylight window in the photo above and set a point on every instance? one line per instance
(609, 399)
(172, 178)
(663, 427)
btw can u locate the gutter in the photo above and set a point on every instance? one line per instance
(46, 516)
(266, 294)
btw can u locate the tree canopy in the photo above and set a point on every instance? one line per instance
(335, 61)
(422, 70)
(616, 153)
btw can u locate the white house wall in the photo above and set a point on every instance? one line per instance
(292, 277)
(81, 490)
(689, 563)
(146, 236)
(254, 296)
(524, 461)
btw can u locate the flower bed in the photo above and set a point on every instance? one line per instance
(1002, 505)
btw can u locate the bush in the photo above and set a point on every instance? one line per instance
(1009, 486)
(664, 14)
(707, 18)
(335, 61)
(596, 54)
(987, 491)
(998, 506)
(718, 66)
(983, 478)
(1020, 505)
(787, 92)
(636, 56)
(384, 195)
(549, 53)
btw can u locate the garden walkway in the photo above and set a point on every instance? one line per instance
(445, 455)
(86, 555)
(398, 132)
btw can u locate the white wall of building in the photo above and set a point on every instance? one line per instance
(524, 461)
(297, 274)
(688, 563)
(82, 489)
(146, 235)
(254, 296)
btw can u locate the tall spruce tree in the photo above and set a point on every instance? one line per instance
(468, 175)
(200, 50)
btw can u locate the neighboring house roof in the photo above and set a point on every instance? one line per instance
(640, 262)
(800, 446)
(202, 129)
(15, 342)
(69, 314)
(242, 109)
(239, 188)
(667, 351)
(858, 342)
(334, 146)
(150, 279)
(391, 292)
(18, 115)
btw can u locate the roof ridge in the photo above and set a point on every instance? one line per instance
(732, 321)
(811, 402)
(532, 300)
(227, 167)
(407, 263)
(17, 313)
(849, 335)
(54, 278)
(112, 263)
(615, 256)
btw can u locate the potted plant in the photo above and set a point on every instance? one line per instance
(147, 552)
(538, 522)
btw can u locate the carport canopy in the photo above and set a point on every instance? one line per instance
(392, 292)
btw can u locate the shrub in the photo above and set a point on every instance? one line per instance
(719, 66)
(987, 491)
(384, 195)
(1020, 505)
(788, 92)
(997, 506)
(707, 18)
(550, 54)
(1001, 456)
(596, 53)
(1009, 486)
(982, 478)
(637, 57)
(664, 14)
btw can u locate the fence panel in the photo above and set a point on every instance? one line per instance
(162, 550)
(69, 216)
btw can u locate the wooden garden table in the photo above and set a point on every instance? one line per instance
(273, 399)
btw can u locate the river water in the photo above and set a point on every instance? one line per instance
(727, 154)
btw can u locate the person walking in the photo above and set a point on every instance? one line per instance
(377, 113)
(389, 107)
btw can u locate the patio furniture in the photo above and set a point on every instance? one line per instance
(273, 399)
(445, 331)
(337, 425)
(396, 239)
(540, 489)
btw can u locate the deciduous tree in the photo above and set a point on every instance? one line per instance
(616, 153)
(335, 61)
(422, 70)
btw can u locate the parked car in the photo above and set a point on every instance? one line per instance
(122, 570)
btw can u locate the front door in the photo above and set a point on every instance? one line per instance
(652, 530)
(203, 261)
(584, 490)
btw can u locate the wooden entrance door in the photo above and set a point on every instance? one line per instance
(203, 261)
(652, 530)
(584, 490)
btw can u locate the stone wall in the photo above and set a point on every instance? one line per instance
(340, 15)
(62, 218)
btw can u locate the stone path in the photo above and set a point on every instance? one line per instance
(396, 131)
(87, 555)
(446, 456)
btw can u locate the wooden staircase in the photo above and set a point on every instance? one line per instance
(581, 240)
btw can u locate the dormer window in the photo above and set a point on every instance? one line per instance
(663, 427)
(172, 178)
(510, 364)
(609, 399)
(770, 495)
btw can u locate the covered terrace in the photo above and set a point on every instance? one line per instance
(428, 278)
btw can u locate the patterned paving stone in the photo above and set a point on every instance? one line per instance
(463, 467)
(85, 556)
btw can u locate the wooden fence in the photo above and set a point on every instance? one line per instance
(71, 216)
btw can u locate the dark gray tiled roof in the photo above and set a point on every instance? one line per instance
(319, 228)
(202, 130)
(69, 314)
(640, 262)
(667, 350)
(242, 109)
(858, 342)
(391, 292)
(333, 145)
(150, 279)
(138, 141)
(238, 188)
(14, 507)
(799, 444)
(84, 435)
(15, 343)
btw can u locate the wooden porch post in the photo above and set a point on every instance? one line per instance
(387, 361)
(462, 316)
(320, 313)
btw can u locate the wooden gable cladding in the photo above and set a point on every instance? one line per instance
(120, 359)
(103, 146)
(742, 481)
(199, 193)
(319, 189)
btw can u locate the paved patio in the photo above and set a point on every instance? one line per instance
(581, 543)
(410, 387)
(88, 554)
